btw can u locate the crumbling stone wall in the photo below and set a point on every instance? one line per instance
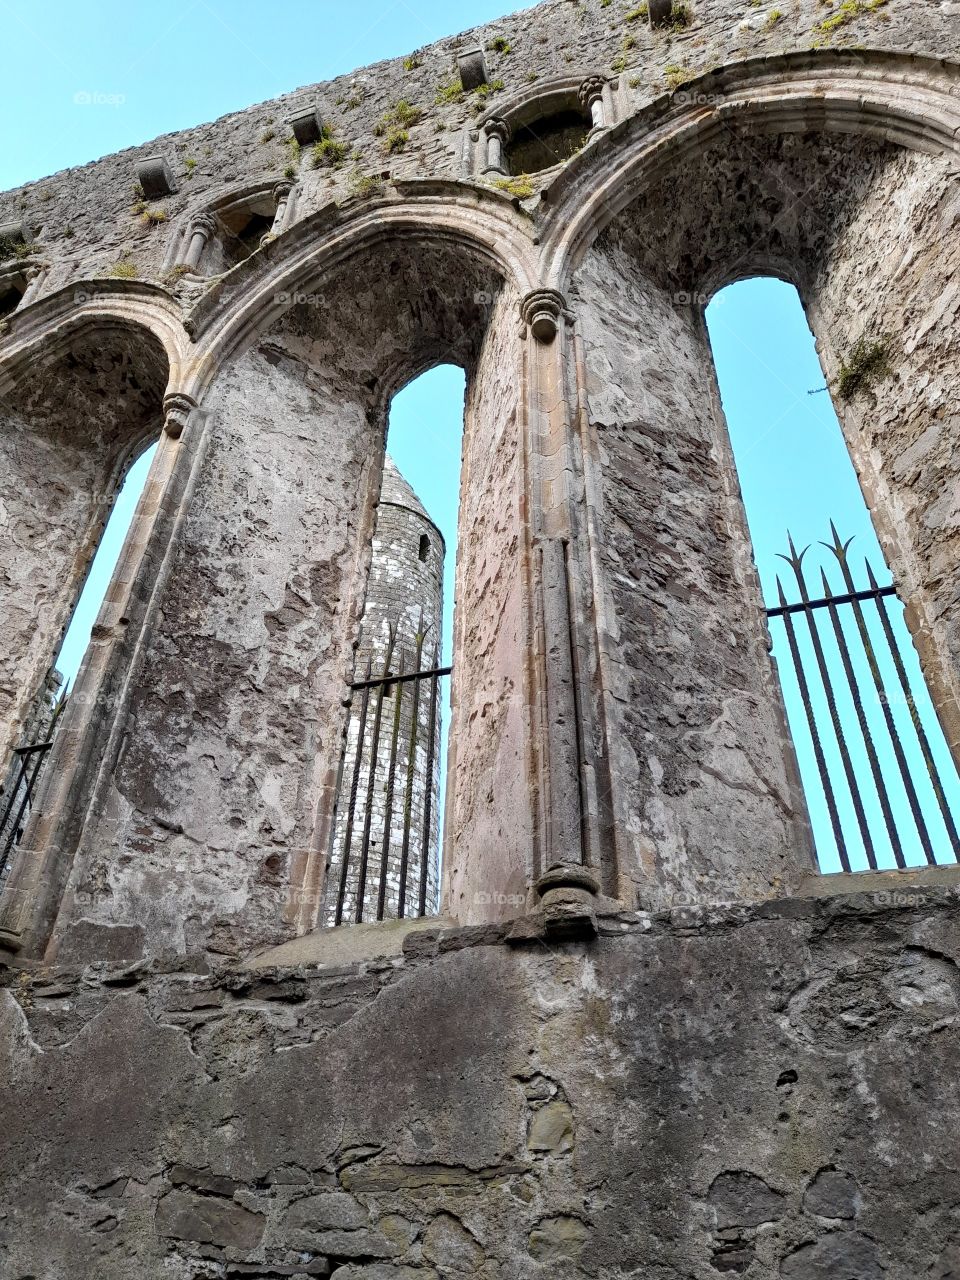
(489, 825)
(768, 1092)
(88, 219)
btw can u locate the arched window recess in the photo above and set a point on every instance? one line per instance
(384, 858)
(544, 129)
(880, 784)
(217, 238)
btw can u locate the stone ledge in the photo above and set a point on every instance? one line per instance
(346, 944)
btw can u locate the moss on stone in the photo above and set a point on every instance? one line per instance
(521, 186)
(849, 10)
(867, 363)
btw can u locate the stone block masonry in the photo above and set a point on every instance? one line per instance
(768, 1092)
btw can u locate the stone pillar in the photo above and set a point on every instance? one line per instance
(496, 134)
(568, 836)
(284, 195)
(591, 95)
(33, 274)
(198, 237)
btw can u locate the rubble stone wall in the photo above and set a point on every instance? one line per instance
(764, 1091)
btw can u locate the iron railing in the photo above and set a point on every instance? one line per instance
(383, 862)
(851, 677)
(16, 794)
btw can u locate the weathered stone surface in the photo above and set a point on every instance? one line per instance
(551, 1128)
(663, 1086)
(183, 1215)
(713, 1134)
(832, 1194)
(845, 1253)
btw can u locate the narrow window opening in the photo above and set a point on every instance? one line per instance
(11, 295)
(20, 783)
(387, 828)
(881, 786)
(546, 142)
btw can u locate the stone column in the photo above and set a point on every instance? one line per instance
(198, 237)
(283, 193)
(497, 134)
(568, 843)
(591, 95)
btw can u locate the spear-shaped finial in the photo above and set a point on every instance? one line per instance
(838, 547)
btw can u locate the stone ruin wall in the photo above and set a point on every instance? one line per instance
(687, 1056)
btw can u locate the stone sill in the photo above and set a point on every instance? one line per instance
(906, 881)
(840, 894)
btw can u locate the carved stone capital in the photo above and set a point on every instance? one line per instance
(282, 189)
(177, 407)
(498, 128)
(541, 310)
(591, 91)
(205, 224)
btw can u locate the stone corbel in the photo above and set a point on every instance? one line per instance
(177, 408)
(542, 311)
(592, 99)
(496, 135)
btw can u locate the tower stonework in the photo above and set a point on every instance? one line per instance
(641, 1037)
(396, 778)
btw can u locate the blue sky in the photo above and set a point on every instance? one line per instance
(82, 80)
(113, 75)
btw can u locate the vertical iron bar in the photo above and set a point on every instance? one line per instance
(854, 685)
(428, 801)
(372, 778)
(354, 787)
(796, 563)
(39, 755)
(839, 549)
(11, 837)
(814, 734)
(408, 791)
(391, 775)
(931, 764)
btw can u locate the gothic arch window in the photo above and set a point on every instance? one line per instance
(13, 285)
(881, 788)
(69, 431)
(385, 850)
(218, 238)
(20, 784)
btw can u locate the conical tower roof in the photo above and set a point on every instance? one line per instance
(399, 492)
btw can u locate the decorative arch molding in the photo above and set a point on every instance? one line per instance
(599, 101)
(908, 100)
(43, 331)
(254, 296)
(273, 197)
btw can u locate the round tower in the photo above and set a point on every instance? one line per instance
(388, 805)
